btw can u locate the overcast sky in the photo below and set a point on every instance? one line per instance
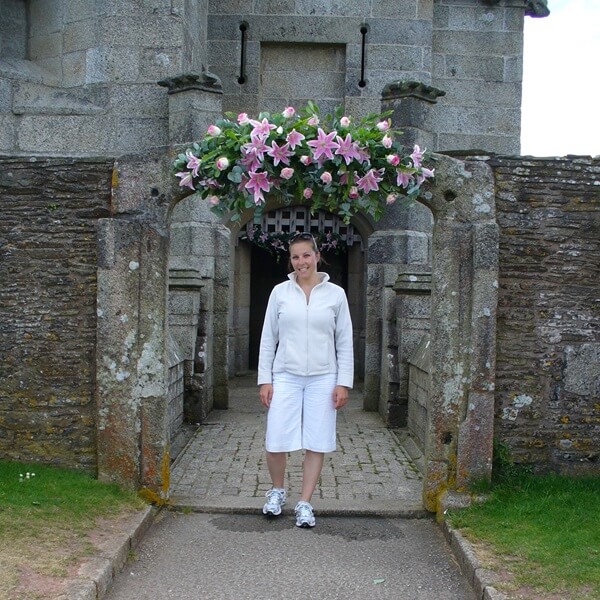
(561, 81)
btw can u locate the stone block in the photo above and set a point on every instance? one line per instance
(160, 63)
(139, 101)
(501, 144)
(140, 31)
(47, 17)
(476, 18)
(489, 95)
(37, 99)
(274, 7)
(513, 69)
(74, 69)
(46, 46)
(396, 57)
(391, 9)
(135, 134)
(230, 7)
(7, 133)
(6, 96)
(398, 248)
(582, 369)
(60, 134)
(400, 33)
(479, 43)
(106, 64)
(80, 35)
(486, 68)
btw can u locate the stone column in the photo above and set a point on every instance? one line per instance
(413, 306)
(131, 359)
(195, 102)
(463, 331)
(410, 103)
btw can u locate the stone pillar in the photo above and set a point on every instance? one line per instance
(389, 252)
(132, 360)
(413, 306)
(410, 103)
(195, 101)
(463, 331)
(185, 289)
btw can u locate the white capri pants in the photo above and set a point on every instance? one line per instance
(302, 415)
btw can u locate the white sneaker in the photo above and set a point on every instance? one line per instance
(304, 515)
(275, 500)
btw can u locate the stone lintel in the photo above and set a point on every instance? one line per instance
(206, 82)
(411, 89)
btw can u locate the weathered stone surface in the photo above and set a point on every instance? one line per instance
(547, 395)
(48, 297)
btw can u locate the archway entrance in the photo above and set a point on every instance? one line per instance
(262, 262)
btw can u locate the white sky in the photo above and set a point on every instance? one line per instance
(561, 81)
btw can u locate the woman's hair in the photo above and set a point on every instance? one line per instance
(303, 236)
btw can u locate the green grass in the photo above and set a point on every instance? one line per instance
(45, 519)
(549, 526)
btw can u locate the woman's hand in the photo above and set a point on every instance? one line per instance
(340, 396)
(265, 393)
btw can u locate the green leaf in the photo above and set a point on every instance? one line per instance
(378, 581)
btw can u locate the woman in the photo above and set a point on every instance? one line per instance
(305, 369)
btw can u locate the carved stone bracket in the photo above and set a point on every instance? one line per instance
(411, 89)
(207, 82)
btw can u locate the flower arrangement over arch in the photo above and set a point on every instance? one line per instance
(331, 162)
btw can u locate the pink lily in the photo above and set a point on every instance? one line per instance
(347, 149)
(261, 128)
(193, 163)
(289, 112)
(294, 138)
(324, 144)
(259, 181)
(243, 119)
(417, 156)
(257, 147)
(425, 174)
(403, 178)
(280, 153)
(186, 179)
(369, 182)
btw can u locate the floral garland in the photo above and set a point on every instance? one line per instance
(277, 242)
(334, 163)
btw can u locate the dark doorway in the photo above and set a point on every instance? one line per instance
(265, 273)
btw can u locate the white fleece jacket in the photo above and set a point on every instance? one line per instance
(303, 338)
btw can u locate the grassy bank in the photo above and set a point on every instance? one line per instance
(46, 515)
(542, 533)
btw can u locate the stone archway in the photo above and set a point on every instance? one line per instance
(132, 365)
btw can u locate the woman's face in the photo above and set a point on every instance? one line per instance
(304, 259)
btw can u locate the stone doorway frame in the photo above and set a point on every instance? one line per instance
(131, 353)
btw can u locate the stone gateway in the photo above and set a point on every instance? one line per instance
(127, 306)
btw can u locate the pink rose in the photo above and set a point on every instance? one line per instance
(306, 160)
(213, 200)
(222, 163)
(383, 125)
(213, 130)
(326, 178)
(344, 121)
(391, 198)
(387, 141)
(289, 112)
(307, 193)
(393, 159)
(287, 173)
(314, 121)
(243, 119)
